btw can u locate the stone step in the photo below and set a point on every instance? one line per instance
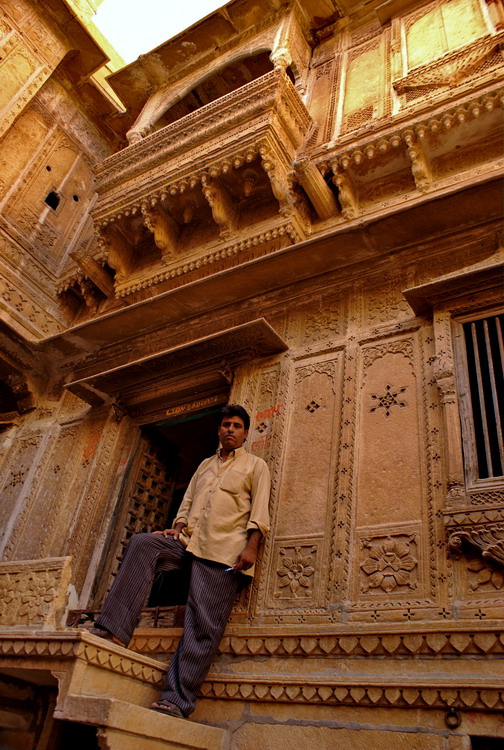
(103, 685)
(124, 726)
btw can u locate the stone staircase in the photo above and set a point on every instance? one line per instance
(106, 686)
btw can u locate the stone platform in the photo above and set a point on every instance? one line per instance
(103, 685)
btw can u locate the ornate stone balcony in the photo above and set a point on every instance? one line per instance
(210, 190)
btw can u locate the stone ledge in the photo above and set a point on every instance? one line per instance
(124, 726)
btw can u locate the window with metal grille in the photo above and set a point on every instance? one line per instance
(485, 364)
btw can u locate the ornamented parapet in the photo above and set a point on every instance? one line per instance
(34, 593)
(193, 192)
(212, 140)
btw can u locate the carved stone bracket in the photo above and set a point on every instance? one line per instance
(347, 194)
(481, 529)
(317, 189)
(420, 166)
(487, 539)
(163, 226)
(389, 144)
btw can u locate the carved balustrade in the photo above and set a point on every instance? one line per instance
(205, 188)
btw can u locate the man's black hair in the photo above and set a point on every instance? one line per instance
(235, 410)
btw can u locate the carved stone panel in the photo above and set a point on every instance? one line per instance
(365, 84)
(34, 592)
(13, 492)
(296, 573)
(390, 565)
(391, 477)
(263, 436)
(311, 445)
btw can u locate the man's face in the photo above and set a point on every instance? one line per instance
(232, 433)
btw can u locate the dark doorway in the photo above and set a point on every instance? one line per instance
(166, 457)
(189, 439)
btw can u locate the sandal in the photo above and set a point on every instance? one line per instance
(170, 709)
(106, 635)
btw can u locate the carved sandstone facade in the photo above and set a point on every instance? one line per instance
(297, 207)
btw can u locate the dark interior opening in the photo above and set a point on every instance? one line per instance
(486, 743)
(224, 81)
(53, 200)
(483, 340)
(187, 440)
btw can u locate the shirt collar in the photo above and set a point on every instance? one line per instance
(232, 454)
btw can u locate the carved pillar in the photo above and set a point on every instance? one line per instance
(96, 273)
(164, 228)
(317, 189)
(445, 380)
(419, 163)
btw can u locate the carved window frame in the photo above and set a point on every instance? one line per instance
(473, 479)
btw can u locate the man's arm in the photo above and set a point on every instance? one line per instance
(247, 557)
(258, 522)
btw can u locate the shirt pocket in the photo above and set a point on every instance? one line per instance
(234, 481)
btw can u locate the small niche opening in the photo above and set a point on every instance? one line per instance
(52, 200)
(48, 168)
(75, 198)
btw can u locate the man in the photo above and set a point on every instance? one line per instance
(217, 531)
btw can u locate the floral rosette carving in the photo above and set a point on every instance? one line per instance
(296, 573)
(388, 565)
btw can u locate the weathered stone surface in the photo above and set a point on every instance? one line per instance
(300, 210)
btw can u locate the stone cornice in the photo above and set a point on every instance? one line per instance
(442, 119)
(78, 645)
(445, 694)
(442, 641)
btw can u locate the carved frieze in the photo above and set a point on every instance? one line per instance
(34, 593)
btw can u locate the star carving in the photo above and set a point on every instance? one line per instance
(389, 399)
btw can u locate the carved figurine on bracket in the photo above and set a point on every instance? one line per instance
(223, 207)
(119, 252)
(164, 228)
(419, 163)
(281, 182)
(346, 195)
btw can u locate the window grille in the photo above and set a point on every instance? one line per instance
(485, 361)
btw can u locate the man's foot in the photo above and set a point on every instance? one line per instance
(170, 709)
(106, 635)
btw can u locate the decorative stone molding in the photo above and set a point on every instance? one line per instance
(279, 234)
(86, 648)
(361, 693)
(34, 593)
(414, 642)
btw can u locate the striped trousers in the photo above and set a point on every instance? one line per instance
(211, 595)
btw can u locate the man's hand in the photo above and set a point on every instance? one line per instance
(247, 557)
(175, 533)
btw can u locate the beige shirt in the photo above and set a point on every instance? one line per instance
(225, 500)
